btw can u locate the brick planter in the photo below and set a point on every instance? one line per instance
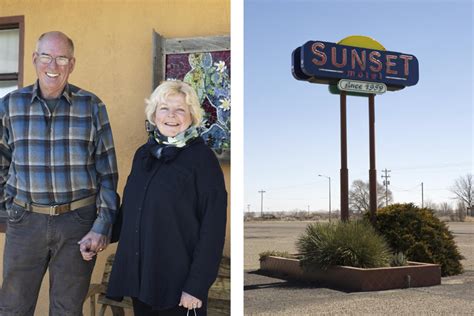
(352, 279)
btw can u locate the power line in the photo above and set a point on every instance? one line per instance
(405, 190)
(293, 186)
(443, 165)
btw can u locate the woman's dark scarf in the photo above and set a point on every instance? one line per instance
(166, 148)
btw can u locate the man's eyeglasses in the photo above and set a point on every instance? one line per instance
(47, 59)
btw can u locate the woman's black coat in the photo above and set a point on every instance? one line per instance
(173, 229)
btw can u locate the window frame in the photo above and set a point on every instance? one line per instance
(7, 23)
(15, 22)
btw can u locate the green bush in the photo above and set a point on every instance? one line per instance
(353, 243)
(420, 235)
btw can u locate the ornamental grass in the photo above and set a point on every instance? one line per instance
(353, 243)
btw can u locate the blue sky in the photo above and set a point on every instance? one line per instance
(424, 133)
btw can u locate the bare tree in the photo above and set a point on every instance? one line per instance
(461, 211)
(430, 204)
(359, 196)
(445, 208)
(463, 188)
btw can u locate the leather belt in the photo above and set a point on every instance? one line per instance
(56, 209)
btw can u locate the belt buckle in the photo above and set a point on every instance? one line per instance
(53, 210)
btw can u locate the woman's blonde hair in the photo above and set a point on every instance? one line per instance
(171, 87)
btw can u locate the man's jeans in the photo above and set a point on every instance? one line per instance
(35, 242)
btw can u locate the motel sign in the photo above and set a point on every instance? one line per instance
(356, 65)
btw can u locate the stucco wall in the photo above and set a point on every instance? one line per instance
(113, 41)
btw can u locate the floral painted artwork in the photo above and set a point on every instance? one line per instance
(209, 74)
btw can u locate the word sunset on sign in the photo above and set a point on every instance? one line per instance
(327, 63)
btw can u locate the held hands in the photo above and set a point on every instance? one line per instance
(91, 244)
(190, 302)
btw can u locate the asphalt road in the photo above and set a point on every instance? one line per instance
(265, 295)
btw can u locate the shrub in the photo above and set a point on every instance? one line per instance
(353, 243)
(420, 235)
(268, 253)
(398, 259)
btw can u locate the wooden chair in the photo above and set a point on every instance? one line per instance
(101, 289)
(219, 294)
(218, 303)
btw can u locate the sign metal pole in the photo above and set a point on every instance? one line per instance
(344, 171)
(372, 171)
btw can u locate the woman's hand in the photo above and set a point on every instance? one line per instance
(91, 244)
(190, 302)
(85, 248)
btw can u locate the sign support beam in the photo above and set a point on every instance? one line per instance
(372, 171)
(344, 172)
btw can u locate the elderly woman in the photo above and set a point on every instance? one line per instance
(174, 212)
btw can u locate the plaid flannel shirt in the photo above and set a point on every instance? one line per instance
(55, 158)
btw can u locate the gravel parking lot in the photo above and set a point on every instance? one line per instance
(270, 296)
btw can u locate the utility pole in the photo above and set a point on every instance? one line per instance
(308, 210)
(422, 199)
(261, 202)
(248, 208)
(386, 183)
(329, 178)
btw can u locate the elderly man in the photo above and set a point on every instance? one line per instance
(58, 179)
